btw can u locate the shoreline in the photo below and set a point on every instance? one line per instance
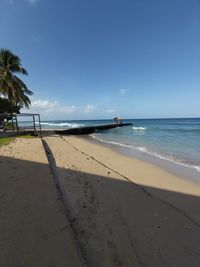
(186, 171)
(88, 144)
(125, 211)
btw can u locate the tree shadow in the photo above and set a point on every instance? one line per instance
(116, 222)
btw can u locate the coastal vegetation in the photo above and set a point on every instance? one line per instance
(7, 140)
(14, 94)
(7, 107)
(12, 87)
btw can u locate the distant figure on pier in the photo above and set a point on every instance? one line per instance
(118, 120)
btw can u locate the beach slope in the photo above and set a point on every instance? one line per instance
(126, 212)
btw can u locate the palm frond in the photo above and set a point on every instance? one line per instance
(10, 85)
(23, 85)
(16, 68)
(24, 101)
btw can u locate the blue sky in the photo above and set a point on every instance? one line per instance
(97, 59)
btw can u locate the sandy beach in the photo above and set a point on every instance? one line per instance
(111, 210)
(99, 133)
(34, 230)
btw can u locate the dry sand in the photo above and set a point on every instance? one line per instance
(126, 212)
(34, 230)
(123, 212)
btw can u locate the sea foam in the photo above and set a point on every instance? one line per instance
(139, 128)
(146, 151)
(71, 125)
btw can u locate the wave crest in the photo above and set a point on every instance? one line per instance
(145, 150)
(139, 128)
(71, 125)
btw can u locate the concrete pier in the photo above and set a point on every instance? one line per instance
(90, 129)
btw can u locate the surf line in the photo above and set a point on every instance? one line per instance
(139, 186)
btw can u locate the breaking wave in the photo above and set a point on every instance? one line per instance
(139, 128)
(145, 150)
(69, 125)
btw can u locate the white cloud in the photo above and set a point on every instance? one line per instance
(44, 104)
(123, 91)
(55, 110)
(90, 108)
(110, 110)
(67, 109)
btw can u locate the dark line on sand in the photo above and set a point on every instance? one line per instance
(141, 187)
(53, 168)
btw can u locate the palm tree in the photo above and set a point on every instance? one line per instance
(10, 85)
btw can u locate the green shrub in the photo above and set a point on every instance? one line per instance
(8, 126)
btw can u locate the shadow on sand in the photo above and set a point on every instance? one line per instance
(116, 222)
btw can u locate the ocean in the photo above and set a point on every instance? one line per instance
(162, 141)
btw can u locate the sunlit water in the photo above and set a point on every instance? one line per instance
(176, 140)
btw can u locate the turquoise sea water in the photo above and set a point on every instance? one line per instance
(176, 140)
